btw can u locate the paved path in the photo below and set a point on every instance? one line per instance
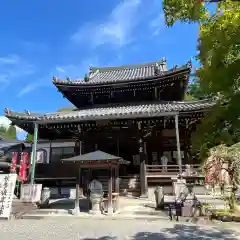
(73, 229)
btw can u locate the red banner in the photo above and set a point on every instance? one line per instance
(14, 162)
(23, 167)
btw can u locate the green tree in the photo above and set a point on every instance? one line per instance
(195, 91)
(11, 132)
(3, 131)
(227, 158)
(29, 137)
(219, 72)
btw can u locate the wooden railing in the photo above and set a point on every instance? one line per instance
(161, 170)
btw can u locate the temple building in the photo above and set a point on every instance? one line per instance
(136, 112)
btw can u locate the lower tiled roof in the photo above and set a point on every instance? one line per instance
(115, 112)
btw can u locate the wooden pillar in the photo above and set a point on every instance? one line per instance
(143, 179)
(118, 147)
(117, 183)
(77, 207)
(178, 145)
(110, 189)
(34, 152)
(117, 186)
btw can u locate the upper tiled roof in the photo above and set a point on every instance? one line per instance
(124, 73)
(115, 112)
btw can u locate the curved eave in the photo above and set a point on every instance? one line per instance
(82, 84)
(152, 110)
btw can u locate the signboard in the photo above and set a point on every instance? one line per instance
(175, 154)
(7, 186)
(30, 192)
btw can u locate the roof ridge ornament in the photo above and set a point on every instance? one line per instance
(7, 111)
(157, 69)
(86, 78)
(175, 67)
(90, 70)
(54, 79)
(27, 112)
(189, 63)
(68, 79)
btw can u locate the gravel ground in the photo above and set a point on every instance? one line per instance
(73, 229)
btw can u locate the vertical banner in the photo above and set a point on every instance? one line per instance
(23, 167)
(14, 162)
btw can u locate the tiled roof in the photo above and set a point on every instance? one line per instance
(115, 112)
(11, 143)
(124, 73)
(96, 156)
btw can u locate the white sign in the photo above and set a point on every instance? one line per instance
(31, 193)
(175, 154)
(7, 186)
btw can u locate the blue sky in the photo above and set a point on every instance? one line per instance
(40, 39)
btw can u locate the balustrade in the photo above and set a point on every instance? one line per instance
(158, 170)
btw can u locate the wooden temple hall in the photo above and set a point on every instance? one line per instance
(135, 112)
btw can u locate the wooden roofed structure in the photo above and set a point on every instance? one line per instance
(137, 108)
(96, 160)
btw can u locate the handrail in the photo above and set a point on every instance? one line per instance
(160, 169)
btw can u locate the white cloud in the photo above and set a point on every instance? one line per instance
(157, 24)
(27, 89)
(116, 30)
(127, 22)
(11, 68)
(60, 70)
(77, 71)
(9, 60)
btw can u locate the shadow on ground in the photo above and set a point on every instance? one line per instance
(180, 231)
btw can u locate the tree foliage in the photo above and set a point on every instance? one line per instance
(195, 91)
(224, 161)
(29, 137)
(11, 132)
(8, 133)
(219, 56)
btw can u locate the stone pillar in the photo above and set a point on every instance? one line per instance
(77, 207)
(110, 190)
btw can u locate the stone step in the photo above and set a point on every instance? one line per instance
(19, 209)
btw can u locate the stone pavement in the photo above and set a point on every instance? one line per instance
(73, 229)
